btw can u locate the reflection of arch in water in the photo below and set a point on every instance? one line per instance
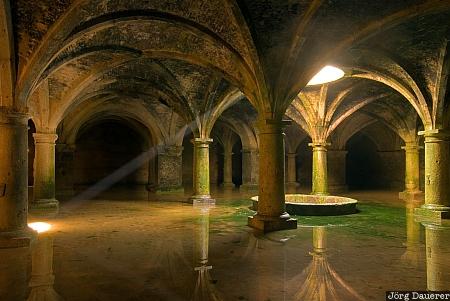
(319, 281)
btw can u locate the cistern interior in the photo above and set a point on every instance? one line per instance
(218, 150)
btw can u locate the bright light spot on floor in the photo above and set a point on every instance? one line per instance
(40, 226)
(326, 75)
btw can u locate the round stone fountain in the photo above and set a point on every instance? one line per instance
(305, 204)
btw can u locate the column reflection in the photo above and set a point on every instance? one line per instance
(42, 277)
(437, 240)
(205, 289)
(412, 255)
(319, 281)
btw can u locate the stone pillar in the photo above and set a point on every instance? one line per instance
(319, 169)
(438, 252)
(201, 187)
(437, 175)
(44, 171)
(412, 184)
(14, 231)
(336, 170)
(228, 169)
(292, 183)
(170, 169)
(250, 170)
(271, 215)
(65, 171)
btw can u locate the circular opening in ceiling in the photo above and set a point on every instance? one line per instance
(325, 75)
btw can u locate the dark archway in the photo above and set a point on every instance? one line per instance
(187, 161)
(303, 163)
(237, 163)
(363, 163)
(106, 146)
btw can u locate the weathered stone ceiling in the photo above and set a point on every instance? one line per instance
(416, 46)
(187, 55)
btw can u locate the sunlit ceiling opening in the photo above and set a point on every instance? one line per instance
(326, 75)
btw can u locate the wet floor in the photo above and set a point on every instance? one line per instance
(149, 250)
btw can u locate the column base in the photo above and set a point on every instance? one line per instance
(270, 224)
(249, 187)
(17, 239)
(228, 186)
(199, 200)
(44, 204)
(170, 190)
(411, 195)
(320, 193)
(433, 212)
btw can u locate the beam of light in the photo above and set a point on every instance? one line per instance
(325, 75)
(108, 181)
(40, 227)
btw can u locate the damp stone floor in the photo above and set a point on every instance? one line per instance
(154, 249)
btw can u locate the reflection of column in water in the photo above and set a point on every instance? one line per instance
(438, 257)
(412, 254)
(204, 288)
(42, 277)
(13, 273)
(319, 280)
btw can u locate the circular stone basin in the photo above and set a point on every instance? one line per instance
(305, 204)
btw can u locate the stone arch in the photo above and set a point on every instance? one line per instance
(103, 108)
(57, 46)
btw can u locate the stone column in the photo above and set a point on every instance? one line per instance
(44, 171)
(250, 170)
(201, 187)
(228, 169)
(336, 170)
(412, 184)
(437, 175)
(170, 169)
(65, 171)
(319, 168)
(438, 252)
(271, 215)
(292, 183)
(14, 231)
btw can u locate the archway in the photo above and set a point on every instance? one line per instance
(363, 163)
(112, 146)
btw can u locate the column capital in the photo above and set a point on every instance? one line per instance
(202, 141)
(170, 150)
(272, 126)
(11, 117)
(435, 135)
(411, 147)
(320, 145)
(291, 155)
(49, 138)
